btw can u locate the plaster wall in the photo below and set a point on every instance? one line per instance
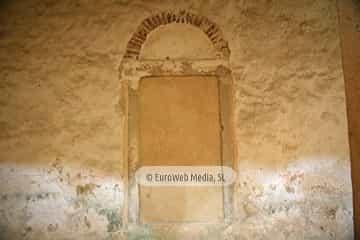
(61, 115)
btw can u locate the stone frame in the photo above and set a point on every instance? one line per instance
(131, 73)
(132, 69)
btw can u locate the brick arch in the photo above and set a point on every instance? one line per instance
(212, 31)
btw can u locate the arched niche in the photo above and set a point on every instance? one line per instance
(209, 28)
(135, 70)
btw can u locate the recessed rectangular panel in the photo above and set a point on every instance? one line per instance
(179, 125)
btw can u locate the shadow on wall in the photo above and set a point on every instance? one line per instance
(3, 3)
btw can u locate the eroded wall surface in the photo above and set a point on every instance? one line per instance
(61, 117)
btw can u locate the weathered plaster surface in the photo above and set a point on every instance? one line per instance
(56, 202)
(60, 108)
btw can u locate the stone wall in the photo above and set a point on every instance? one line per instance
(61, 115)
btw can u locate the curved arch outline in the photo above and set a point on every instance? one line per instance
(212, 31)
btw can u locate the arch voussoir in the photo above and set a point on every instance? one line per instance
(211, 30)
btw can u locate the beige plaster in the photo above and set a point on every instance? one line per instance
(62, 115)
